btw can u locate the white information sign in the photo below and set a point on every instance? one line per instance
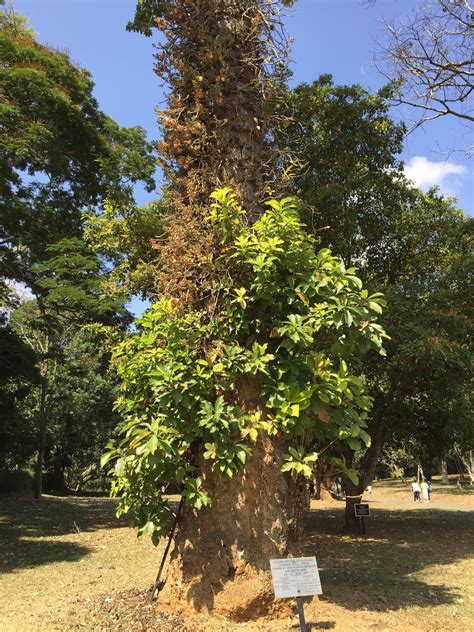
(295, 577)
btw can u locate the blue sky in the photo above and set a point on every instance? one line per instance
(330, 36)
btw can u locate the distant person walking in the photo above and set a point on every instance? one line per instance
(369, 490)
(429, 490)
(424, 487)
(415, 486)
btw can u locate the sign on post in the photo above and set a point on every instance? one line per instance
(362, 510)
(296, 577)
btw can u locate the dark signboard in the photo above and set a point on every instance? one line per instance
(362, 510)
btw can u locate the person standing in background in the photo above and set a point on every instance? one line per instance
(424, 490)
(415, 486)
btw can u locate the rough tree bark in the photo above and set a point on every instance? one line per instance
(220, 560)
(366, 473)
(216, 60)
(221, 557)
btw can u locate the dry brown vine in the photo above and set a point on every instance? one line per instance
(223, 62)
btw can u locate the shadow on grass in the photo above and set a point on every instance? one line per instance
(24, 523)
(23, 554)
(379, 572)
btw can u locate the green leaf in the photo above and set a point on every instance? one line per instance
(152, 444)
(295, 410)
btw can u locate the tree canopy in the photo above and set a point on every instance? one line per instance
(59, 153)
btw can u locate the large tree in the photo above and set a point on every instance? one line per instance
(19, 376)
(68, 405)
(59, 153)
(254, 346)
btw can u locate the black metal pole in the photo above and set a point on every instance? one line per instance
(300, 608)
(158, 585)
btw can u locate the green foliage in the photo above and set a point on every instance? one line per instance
(59, 153)
(127, 239)
(412, 246)
(146, 11)
(349, 176)
(82, 421)
(72, 280)
(18, 378)
(289, 322)
(69, 362)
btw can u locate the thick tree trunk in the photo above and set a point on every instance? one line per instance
(42, 429)
(217, 59)
(444, 473)
(367, 469)
(221, 558)
(353, 496)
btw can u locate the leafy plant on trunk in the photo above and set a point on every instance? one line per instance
(293, 321)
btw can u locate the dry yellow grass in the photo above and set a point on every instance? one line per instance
(67, 564)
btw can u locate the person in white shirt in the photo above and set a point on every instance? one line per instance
(415, 486)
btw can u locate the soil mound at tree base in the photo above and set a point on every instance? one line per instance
(133, 609)
(246, 598)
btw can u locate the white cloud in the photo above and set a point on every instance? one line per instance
(426, 173)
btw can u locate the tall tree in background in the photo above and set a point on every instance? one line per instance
(18, 377)
(70, 402)
(46, 342)
(406, 244)
(59, 154)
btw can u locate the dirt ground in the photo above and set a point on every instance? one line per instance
(68, 564)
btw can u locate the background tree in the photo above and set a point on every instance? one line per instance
(18, 377)
(81, 419)
(430, 54)
(348, 146)
(59, 153)
(406, 244)
(66, 416)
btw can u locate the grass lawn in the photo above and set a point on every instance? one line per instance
(68, 564)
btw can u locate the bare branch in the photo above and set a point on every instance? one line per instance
(431, 56)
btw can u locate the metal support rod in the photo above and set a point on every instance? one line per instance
(158, 585)
(362, 525)
(300, 608)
